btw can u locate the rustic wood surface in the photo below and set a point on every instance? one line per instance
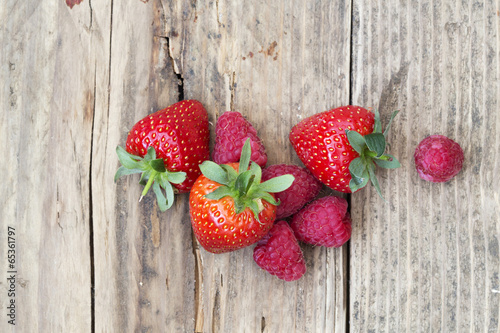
(428, 260)
(77, 74)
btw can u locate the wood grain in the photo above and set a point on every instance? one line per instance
(428, 259)
(144, 264)
(77, 74)
(46, 98)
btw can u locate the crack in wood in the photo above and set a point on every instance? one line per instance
(177, 72)
(198, 287)
(232, 88)
(91, 15)
(216, 312)
(91, 212)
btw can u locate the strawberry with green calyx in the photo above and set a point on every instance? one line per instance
(342, 146)
(229, 206)
(167, 147)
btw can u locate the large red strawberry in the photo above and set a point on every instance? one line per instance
(229, 206)
(167, 147)
(342, 146)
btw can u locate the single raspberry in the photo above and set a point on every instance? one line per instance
(438, 158)
(279, 253)
(231, 132)
(304, 188)
(323, 222)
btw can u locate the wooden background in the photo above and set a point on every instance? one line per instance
(75, 75)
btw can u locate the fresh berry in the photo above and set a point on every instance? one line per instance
(229, 206)
(167, 147)
(438, 158)
(305, 188)
(323, 222)
(279, 253)
(342, 146)
(231, 131)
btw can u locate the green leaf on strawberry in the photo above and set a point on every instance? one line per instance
(371, 148)
(153, 174)
(356, 140)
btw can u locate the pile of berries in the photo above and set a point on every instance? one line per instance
(236, 201)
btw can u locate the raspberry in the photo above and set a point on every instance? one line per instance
(323, 222)
(304, 188)
(231, 132)
(438, 158)
(279, 253)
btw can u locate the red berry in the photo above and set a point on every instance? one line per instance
(231, 132)
(305, 188)
(216, 224)
(180, 136)
(322, 145)
(229, 206)
(166, 148)
(323, 222)
(279, 253)
(438, 158)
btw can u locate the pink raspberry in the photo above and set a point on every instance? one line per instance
(323, 222)
(438, 158)
(231, 132)
(279, 253)
(305, 187)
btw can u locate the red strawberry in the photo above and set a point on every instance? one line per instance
(323, 222)
(279, 253)
(167, 148)
(304, 188)
(229, 206)
(438, 158)
(231, 131)
(342, 146)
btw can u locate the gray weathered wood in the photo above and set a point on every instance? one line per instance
(144, 264)
(47, 93)
(428, 260)
(78, 74)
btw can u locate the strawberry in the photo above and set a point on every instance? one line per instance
(231, 131)
(229, 206)
(438, 158)
(167, 148)
(305, 187)
(342, 146)
(323, 222)
(279, 253)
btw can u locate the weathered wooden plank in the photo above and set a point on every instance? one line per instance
(428, 259)
(144, 263)
(276, 63)
(46, 98)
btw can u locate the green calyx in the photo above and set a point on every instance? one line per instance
(244, 185)
(371, 149)
(153, 174)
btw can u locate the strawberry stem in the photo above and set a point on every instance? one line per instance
(153, 170)
(148, 184)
